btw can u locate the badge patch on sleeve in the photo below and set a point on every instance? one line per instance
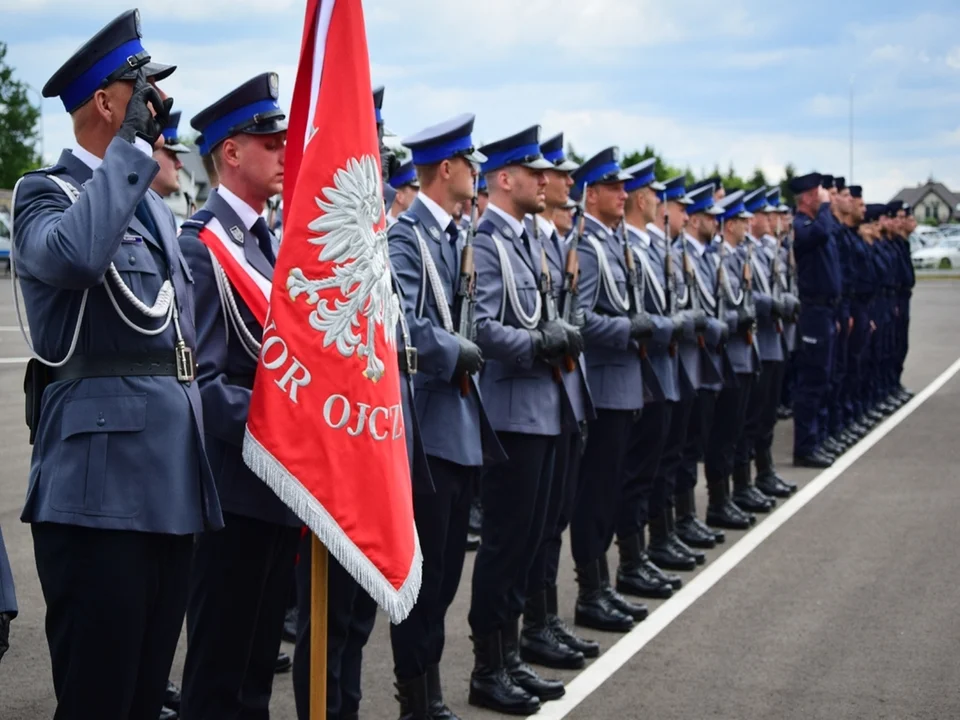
(809, 340)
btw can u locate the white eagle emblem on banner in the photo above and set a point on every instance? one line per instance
(361, 270)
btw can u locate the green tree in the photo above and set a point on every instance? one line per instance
(19, 131)
(732, 181)
(757, 179)
(789, 173)
(574, 155)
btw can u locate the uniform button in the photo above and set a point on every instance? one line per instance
(133, 178)
(101, 422)
(133, 259)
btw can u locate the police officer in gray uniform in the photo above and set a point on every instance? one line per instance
(241, 577)
(523, 398)
(119, 482)
(426, 258)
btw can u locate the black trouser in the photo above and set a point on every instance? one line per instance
(238, 595)
(694, 447)
(350, 617)
(672, 454)
(515, 495)
(727, 429)
(115, 603)
(760, 415)
(566, 466)
(600, 484)
(442, 518)
(641, 487)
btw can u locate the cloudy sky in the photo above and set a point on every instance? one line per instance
(756, 84)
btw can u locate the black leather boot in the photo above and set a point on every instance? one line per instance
(588, 648)
(412, 696)
(691, 529)
(746, 496)
(522, 673)
(681, 547)
(638, 611)
(721, 512)
(832, 447)
(539, 644)
(594, 609)
(663, 551)
(768, 480)
(491, 686)
(438, 709)
(474, 524)
(633, 574)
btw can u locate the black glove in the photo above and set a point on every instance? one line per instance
(139, 120)
(745, 320)
(574, 340)
(389, 164)
(678, 324)
(4, 633)
(791, 306)
(724, 332)
(470, 359)
(549, 341)
(641, 327)
(778, 308)
(699, 320)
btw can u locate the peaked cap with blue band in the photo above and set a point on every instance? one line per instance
(482, 185)
(446, 140)
(171, 141)
(716, 181)
(674, 189)
(733, 207)
(774, 203)
(756, 200)
(642, 175)
(523, 148)
(552, 150)
(115, 53)
(701, 201)
(378, 103)
(804, 183)
(602, 169)
(251, 109)
(405, 175)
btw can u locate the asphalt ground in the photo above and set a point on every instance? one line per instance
(846, 611)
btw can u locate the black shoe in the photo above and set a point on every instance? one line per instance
(832, 447)
(875, 415)
(772, 485)
(663, 553)
(473, 542)
(637, 611)
(168, 713)
(436, 707)
(906, 395)
(522, 674)
(784, 413)
(752, 500)
(589, 648)
(413, 697)
(695, 534)
(171, 697)
(290, 625)
(539, 644)
(491, 686)
(284, 663)
(594, 609)
(886, 408)
(633, 575)
(475, 523)
(857, 430)
(725, 516)
(674, 581)
(816, 459)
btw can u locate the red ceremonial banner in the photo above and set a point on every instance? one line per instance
(325, 429)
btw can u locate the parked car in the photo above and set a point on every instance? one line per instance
(4, 243)
(924, 237)
(945, 255)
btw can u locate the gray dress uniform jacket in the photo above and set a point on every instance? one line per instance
(119, 453)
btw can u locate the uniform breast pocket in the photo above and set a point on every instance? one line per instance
(137, 269)
(526, 289)
(97, 471)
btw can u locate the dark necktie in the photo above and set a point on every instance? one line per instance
(264, 239)
(143, 215)
(525, 239)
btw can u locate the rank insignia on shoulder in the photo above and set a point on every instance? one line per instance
(131, 239)
(237, 234)
(408, 219)
(508, 232)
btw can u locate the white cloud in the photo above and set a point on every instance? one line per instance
(752, 60)
(823, 105)
(953, 58)
(105, 10)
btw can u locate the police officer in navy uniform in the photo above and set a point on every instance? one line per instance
(644, 491)
(8, 598)
(818, 277)
(405, 186)
(904, 226)
(119, 481)
(612, 335)
(522, 347)
(241, 577)
(859, 288)
(457, 437)
(546, 639)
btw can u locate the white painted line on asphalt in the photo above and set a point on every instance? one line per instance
(14, 361)
(616, 657)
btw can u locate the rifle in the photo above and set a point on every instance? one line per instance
(746, 280)
(571, 268)
(688, 278)
(633, 282)
(466, 299)
(548, 301)
(669, 287)
(777, 287)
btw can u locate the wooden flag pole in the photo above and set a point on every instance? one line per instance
(318, 630)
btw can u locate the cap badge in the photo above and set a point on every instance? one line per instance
(274, 85)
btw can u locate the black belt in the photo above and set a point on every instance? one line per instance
(159, 364)
(822, 300)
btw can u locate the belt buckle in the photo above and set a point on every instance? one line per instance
(186, 363)
(411, 353)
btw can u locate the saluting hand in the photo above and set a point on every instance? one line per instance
(147, 113)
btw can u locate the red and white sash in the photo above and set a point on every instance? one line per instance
(253, 287)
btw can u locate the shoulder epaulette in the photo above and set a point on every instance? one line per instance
(48, 170)
(408, 218)
(199, 219)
